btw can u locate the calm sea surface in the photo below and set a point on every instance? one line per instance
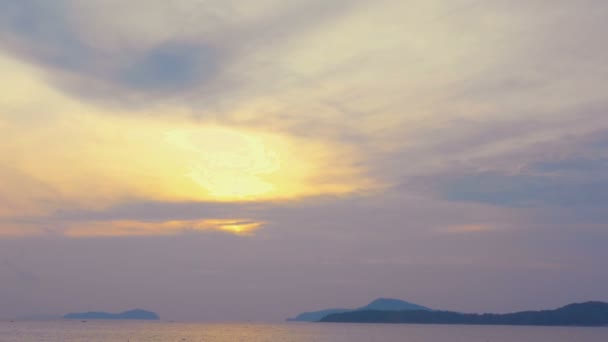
(76, 331)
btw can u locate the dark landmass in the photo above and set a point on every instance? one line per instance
(315, 316)
(383, 304)
(131, 314)
(581, 314)
(389, 304)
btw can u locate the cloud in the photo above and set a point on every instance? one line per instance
(61, 153)
(214, 144)
(580, 164)
(115, 54)
(522, 190)
(170, 67)
(347, 103)
(567, 171)
(40, 30)
(141, 219)
(241, 227)
(154, 157)
(58, 38)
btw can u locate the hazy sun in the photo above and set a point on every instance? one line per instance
(229, 164)
(91, 157)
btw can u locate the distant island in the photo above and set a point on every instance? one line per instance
(380, 304)
(131, 314)
(580, 314)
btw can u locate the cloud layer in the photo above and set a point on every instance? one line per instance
(415, 142)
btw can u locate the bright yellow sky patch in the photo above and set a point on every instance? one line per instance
(57, 151)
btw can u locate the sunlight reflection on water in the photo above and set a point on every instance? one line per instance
(111, 331)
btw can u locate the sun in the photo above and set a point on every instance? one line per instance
(227, 163)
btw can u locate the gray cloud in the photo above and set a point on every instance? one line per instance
(569, 172)
(584, 165)
(46, 34)
(40, 30)
(526, 190)
(170, 67)
(195, 64)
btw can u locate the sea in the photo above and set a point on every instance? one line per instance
(132, 331)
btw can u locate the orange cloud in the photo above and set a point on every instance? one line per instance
(241, 227)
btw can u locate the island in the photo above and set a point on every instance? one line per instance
(381, 304)
(131, 314)
(578, 314)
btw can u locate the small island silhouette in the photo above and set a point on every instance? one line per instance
(131, 314)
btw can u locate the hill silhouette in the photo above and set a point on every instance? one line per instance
(131, 314)
(579, 314)
(383, 304)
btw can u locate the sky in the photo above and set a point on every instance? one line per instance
(224, 160)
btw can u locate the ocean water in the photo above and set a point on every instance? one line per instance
(113, 331)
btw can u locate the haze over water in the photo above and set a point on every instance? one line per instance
(104, 331)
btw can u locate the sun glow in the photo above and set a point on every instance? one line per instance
(229, 164)
(241, 227)
(238, 227)
(79, 155)
(124, 157)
